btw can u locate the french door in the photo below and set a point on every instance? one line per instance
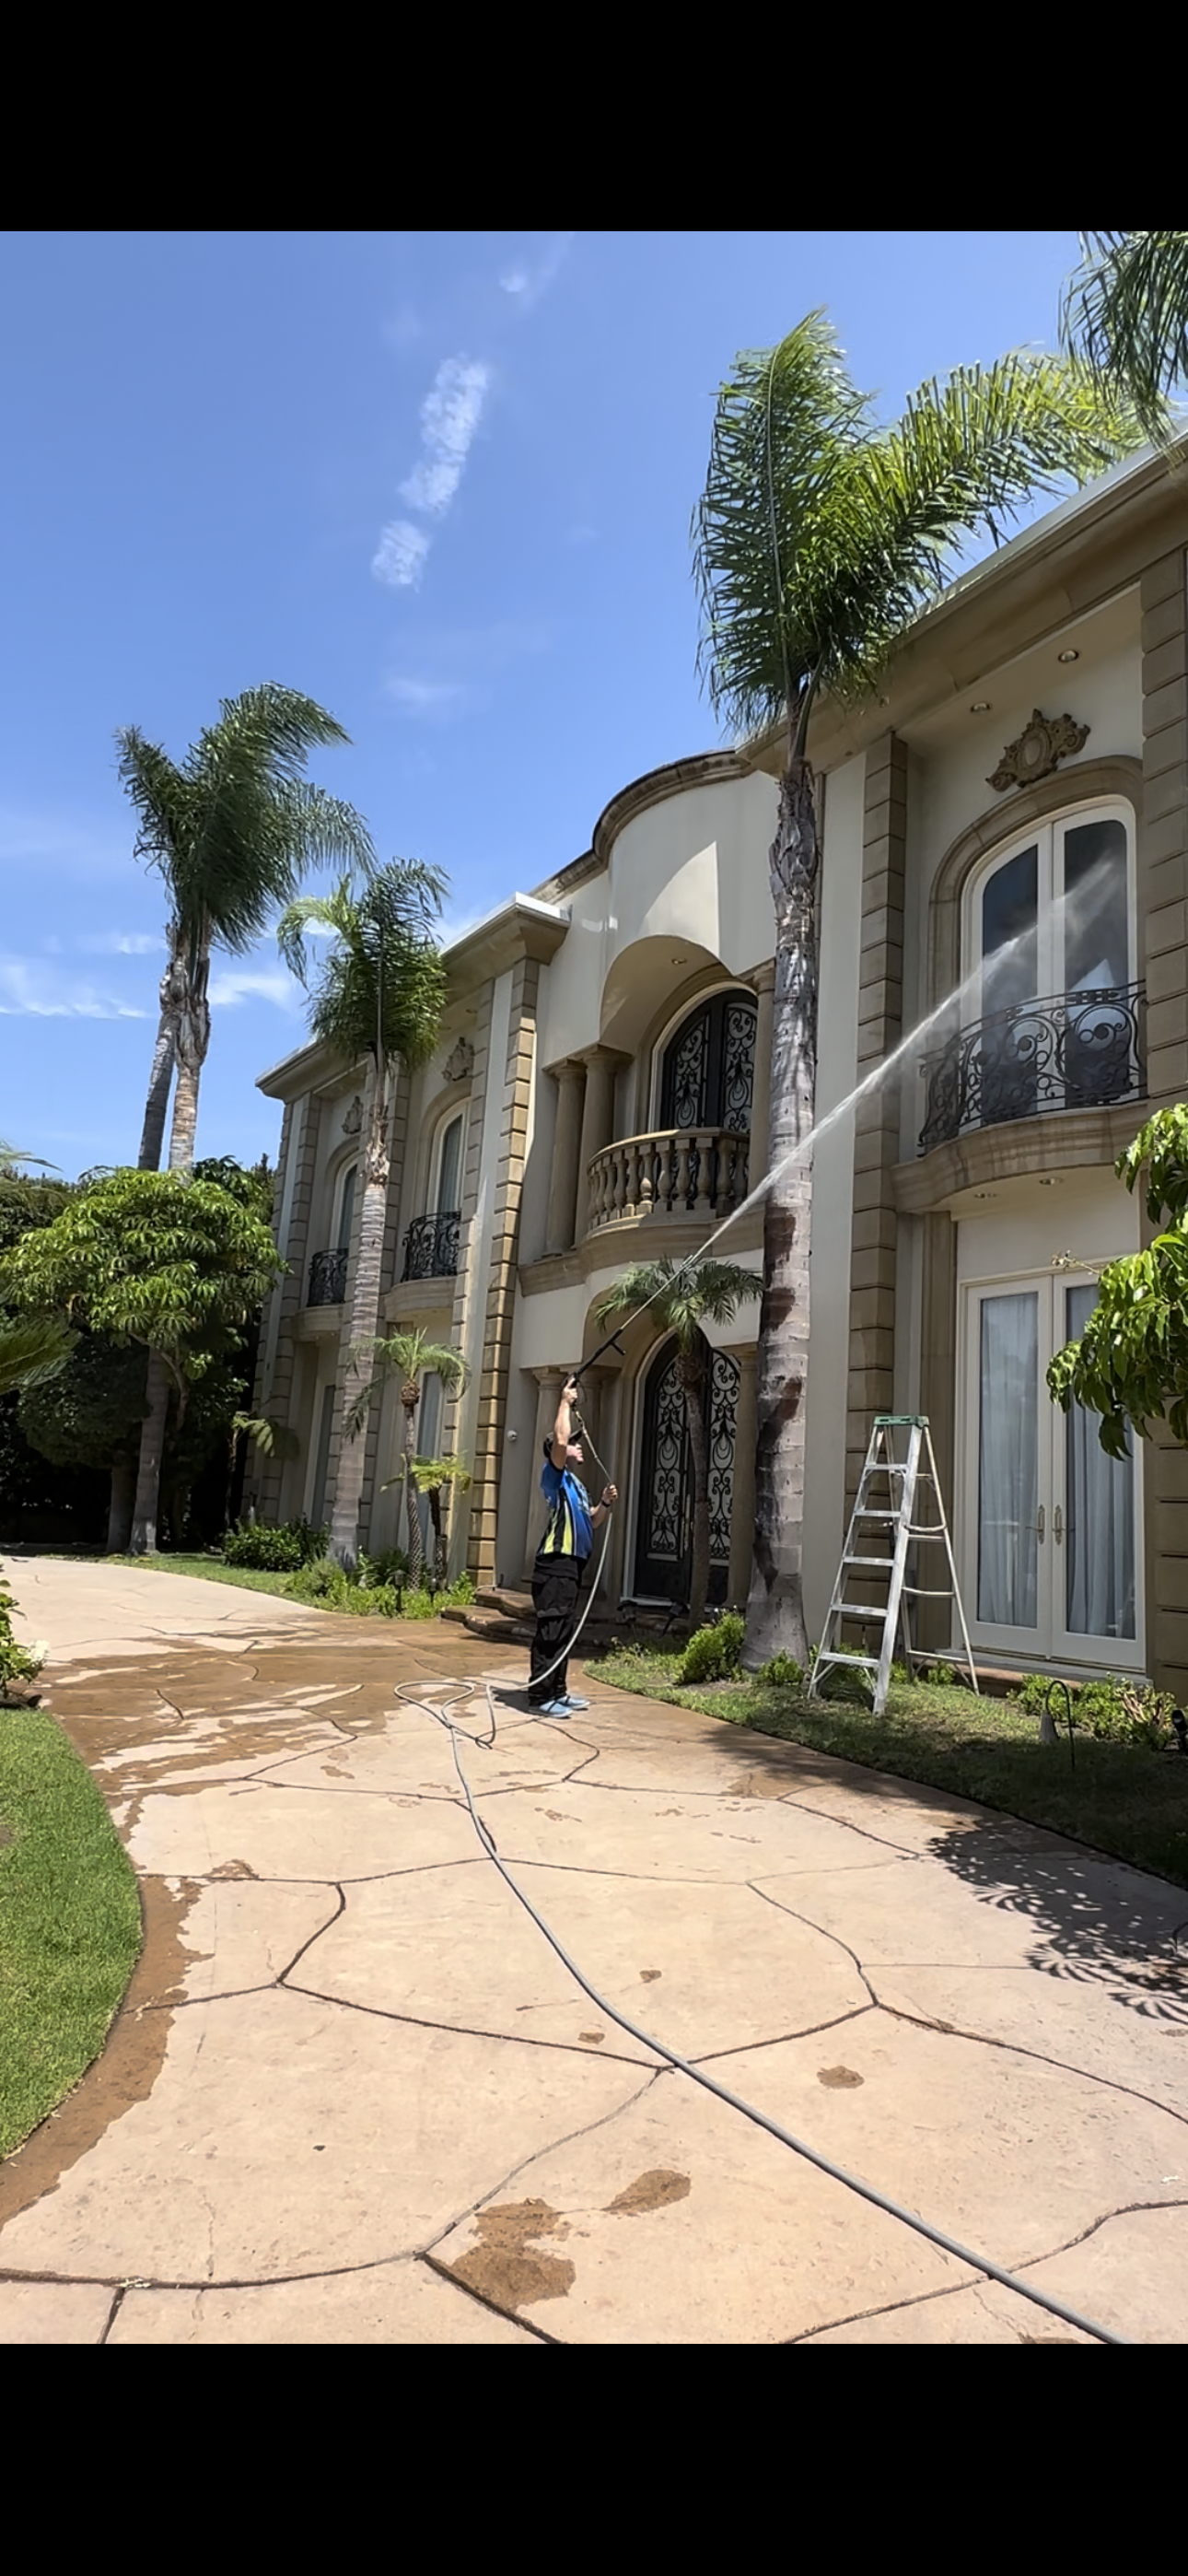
(1050, 1524)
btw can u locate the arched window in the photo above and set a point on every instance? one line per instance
(1049, 1005)
(707, 1067)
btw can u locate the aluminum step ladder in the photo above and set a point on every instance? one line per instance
(895, 1519)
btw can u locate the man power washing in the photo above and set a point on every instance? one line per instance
(563, 1551)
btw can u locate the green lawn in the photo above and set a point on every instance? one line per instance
(70, 1928)
(1120, 1798)
(210, 1568)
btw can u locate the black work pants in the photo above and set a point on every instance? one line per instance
(556, 1584)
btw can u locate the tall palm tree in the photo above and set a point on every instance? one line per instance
(412, 1356)
(379, 994)
(682, 1300)
(233, 830)
(1125, 312)
(819, 537)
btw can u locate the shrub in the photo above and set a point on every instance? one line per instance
(1114, 1711)
(782, 1672)
(713, 1654)
(382, 1571)
(283, 1550)
(323, 1581)
(17, 1663)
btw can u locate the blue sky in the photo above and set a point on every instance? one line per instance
(441, 481)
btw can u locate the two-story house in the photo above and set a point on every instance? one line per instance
(1005, 871)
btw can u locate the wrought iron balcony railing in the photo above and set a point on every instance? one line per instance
(431, 1246)
(1070, 1051)
(327, 1278)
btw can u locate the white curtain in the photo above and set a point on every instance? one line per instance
(1008, 1465)
(1099, 1570)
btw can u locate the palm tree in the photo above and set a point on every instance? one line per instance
(232, 830)
(682, 1300)
(415, 1356)
(433, 1477)
(380, 994)
(273, 1439)
(819, 537)
(1125, 312)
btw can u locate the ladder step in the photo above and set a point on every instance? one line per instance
(862, 1609)
(871, 1662)
(883, 1562)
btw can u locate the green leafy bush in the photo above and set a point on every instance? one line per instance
(383, 1571)
(782, 1672)
(283, 1550)
(1114, 1711)
(323, 1582)
(17, 1663)
(714, 1654)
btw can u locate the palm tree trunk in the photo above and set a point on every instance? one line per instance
(699, 1460)
(365, 1300)
(191, 1042)
(416, 1553)
(164, 1056)
(152, 1446)
(775, 1608)
(152, 1136)
(123, 1496)
(439, 1563)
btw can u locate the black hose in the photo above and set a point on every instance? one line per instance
(696, 2074)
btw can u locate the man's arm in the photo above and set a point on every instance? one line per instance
(610, 1496)
(563, 1426)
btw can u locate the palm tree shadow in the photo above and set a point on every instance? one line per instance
(1097, 1921)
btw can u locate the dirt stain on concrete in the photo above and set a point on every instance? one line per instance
(839, 2079)
(502, 2269)
(656, 2189)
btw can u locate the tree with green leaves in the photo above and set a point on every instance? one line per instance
(682, 1300)
(410, 1356)
(1130, 1364)
(1125, 312)
(378, 997)
(232, 829)
(820, 536)
(158, 1259)
(88, 1414)
(434, 1477)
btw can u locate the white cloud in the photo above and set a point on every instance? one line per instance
(235, 985)
(400, 558)
(425, 697)
(124, 943)
(29, 990)
(450, 415)
(526, 285)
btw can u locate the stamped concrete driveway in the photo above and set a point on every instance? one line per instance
(354, 2096)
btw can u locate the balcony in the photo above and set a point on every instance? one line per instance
(327, 1278)
(1071, 1051)
(431, 1246)
(698, 1172)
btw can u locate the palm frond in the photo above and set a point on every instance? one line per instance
(821, 536)
(382, 987)
(1125, 310)
(32, 1349)
(236, 825)
(785, 421)
(682, 1297)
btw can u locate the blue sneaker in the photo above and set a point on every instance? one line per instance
(573, 1702)
(550, 1707)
